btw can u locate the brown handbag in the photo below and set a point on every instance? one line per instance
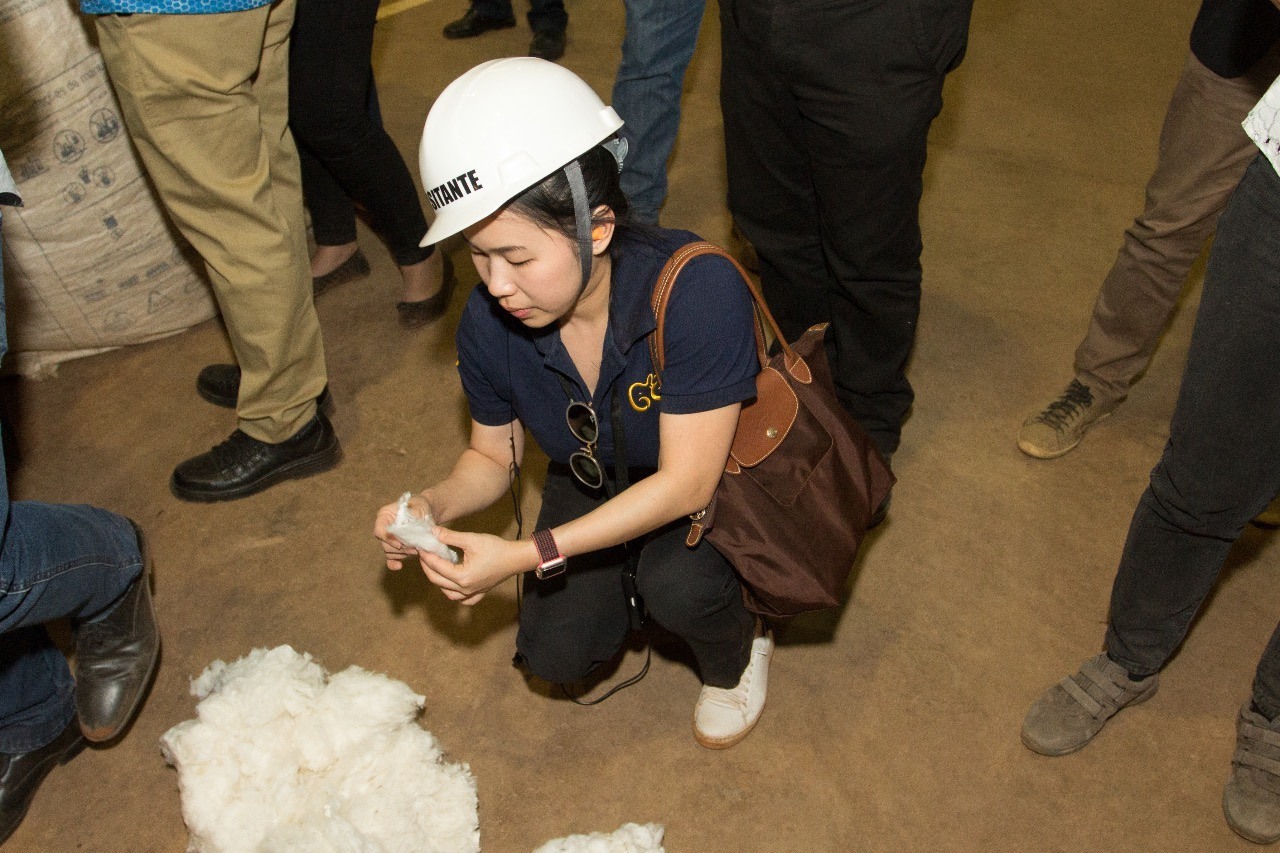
(803, 477)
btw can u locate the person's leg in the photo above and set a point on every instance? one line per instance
(659, 42)
(867, 147)
(1220, 467)
(205, 100)
(770, 190)
(1203, 152)
(494, 10)
(695, 594)
(572, 623)
(1266, 680)
(330, 77)
(548, 16)
(56, 561)
(847, 97)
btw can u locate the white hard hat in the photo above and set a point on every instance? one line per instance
(498, 130)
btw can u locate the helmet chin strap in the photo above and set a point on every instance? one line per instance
(582, 215)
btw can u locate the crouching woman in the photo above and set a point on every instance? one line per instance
(520, 156)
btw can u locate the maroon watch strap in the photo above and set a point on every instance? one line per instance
(547, 548)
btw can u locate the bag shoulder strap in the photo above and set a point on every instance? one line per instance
(663, 287)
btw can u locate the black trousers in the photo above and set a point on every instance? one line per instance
(572, 623)
(1221, 466)
(346, 154)
(827, 106)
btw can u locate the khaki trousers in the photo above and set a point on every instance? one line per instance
(205, 98)
(1203, 153)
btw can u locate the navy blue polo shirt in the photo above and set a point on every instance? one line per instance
(510, 371)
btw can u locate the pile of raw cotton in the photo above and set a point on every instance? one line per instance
(629, 838)
(283, 757)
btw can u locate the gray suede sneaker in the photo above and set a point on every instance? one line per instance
(1075, 709)
(1251, 800)
(1059, 426)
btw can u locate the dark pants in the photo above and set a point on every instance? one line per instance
(346, 155)
(827, 106)
(572, 623)
(544, 15)
(1221, 466)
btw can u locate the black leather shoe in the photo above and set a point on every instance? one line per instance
(220, 385)
(22, 773)
(242, 466)
(547, 44)
(116, 657)
(473, 24)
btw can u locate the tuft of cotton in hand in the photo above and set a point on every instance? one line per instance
(416, 532)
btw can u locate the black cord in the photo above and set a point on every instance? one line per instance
(648, 656)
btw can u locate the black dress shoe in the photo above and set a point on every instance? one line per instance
(419, 313)
(116, 656)
(242, 466)
(22, 773)
(547, 44)
(473, 24)
(220, 385)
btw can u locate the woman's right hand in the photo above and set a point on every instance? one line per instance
(393, 549)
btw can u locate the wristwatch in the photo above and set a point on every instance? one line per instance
(553, 562)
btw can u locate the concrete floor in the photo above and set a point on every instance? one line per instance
(891, 725)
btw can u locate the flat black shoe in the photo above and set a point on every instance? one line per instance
(21, 774)
(547, 44)
(473, 24)
(354, 267)
(116, 657)
(414, 315)
(220, 385)
(242, 466)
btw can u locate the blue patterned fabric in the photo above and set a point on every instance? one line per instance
(167, 7)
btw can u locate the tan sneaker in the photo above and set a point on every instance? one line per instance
(724, 716)
(1075, 709)
(1251, 800)
(1060, 425)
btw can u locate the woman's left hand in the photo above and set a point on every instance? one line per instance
(486, 562)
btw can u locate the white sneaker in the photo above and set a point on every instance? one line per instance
(725, 716)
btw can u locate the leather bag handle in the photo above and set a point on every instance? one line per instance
(662, 294)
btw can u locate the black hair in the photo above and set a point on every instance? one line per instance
(549, 203)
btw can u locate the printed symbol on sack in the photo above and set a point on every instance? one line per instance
(74, 193)
(117, 321)
(68, 146)
(641, 395)
(33, 167)
(105, 125)
(158, 300)
(104, 177)
(113, 227)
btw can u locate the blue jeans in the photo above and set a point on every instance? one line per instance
(657, 47)
(1221, 466)
(56, 562)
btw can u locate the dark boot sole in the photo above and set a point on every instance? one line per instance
(307, 466)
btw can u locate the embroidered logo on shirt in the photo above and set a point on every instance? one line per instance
(641, 395)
